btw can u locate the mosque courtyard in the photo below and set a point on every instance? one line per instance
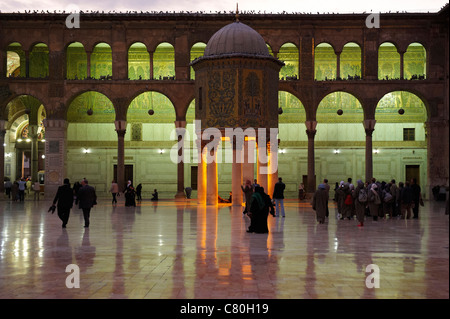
(179, 250)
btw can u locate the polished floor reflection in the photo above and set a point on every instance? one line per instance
(174, 250)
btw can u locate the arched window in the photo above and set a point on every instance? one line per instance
(76, 61)
(164, 61)
(101, 61)
(415, 62)
(325, 62)
(289, 55)
(39, 61)
(138, 62)
(15, 60)
(350, 66)
(197, 51)
(388, 62)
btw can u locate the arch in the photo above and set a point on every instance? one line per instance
(289, 54)
(415, 61)
(197, 50)
(76, 61)
(293, 109)
(388, 106)
(190, 112)
(99, 103)
(325, 62)
(351, 106)
(388, 61)
(270, 49)
(138, 62)
(350, 61)
(39, 59)
(164, 61)
(15, 60)
(101, 61)
(164, 110)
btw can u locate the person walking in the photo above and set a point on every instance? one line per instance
(340, 198)
(37, 190)
(278, 196)
(393, 189)
(87, 198)
(248, 192)
(259, 210)
(327, 188)
(64, 199)
(8, 186)
(22, 187)
(320, 203)
(114, 190)
(417, 196)
(130, 195)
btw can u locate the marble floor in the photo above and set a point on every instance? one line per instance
(174, 249)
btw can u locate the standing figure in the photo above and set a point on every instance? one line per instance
(139, 192)
(259, 211)
(406, 200)
(374, 201)
(360, 200)
(417, 196)
(37, 190)
(320, 203)
(130, 195)
(278, 196)
(340, 198)
(87, 198)
(8, 186)
(248, 192)
(22, 187)
(64, 198)
(114, 189)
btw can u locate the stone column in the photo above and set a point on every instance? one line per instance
(121, 127)
(88, 64)
(2, 155)
(262, 152)
(248, 167)
(180, 127)
(212, 191)
(151, 64)
(402, 71)
(272, 177)
(236, 173)
(27, 64)
(32, 130)
(201, 173)
(369, 127)
(55, 155)
(311, 132)
(338, 65)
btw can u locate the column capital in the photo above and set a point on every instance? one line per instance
(121, 125)
(180, 124)
(311, 125)
(369, 126)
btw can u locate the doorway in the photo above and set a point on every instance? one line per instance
(412, 171)
(128, 174)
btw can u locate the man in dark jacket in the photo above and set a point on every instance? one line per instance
(64, 198)
(87, 198)
(406, 199)
(278, 196)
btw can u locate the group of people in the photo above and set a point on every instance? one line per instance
(131, 193)
(258, 204)
(82, 193)
(16, 190)
(374, 198)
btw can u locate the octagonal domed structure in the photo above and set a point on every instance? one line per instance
(236, 38)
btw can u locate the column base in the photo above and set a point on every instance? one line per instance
(180, 195)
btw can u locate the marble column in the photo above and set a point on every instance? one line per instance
(369, 127)
(272, 177)
(402, 71)
(201, 173)
(212, 189)
(248, 167)
(32, 131)
(180, 127)
(151, 64)
(311, 132)
(236, 174)
(121, 126)
(2, 155)
(55, 155)
(261, 167)
(338, 65)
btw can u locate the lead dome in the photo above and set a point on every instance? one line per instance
(236, 38)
